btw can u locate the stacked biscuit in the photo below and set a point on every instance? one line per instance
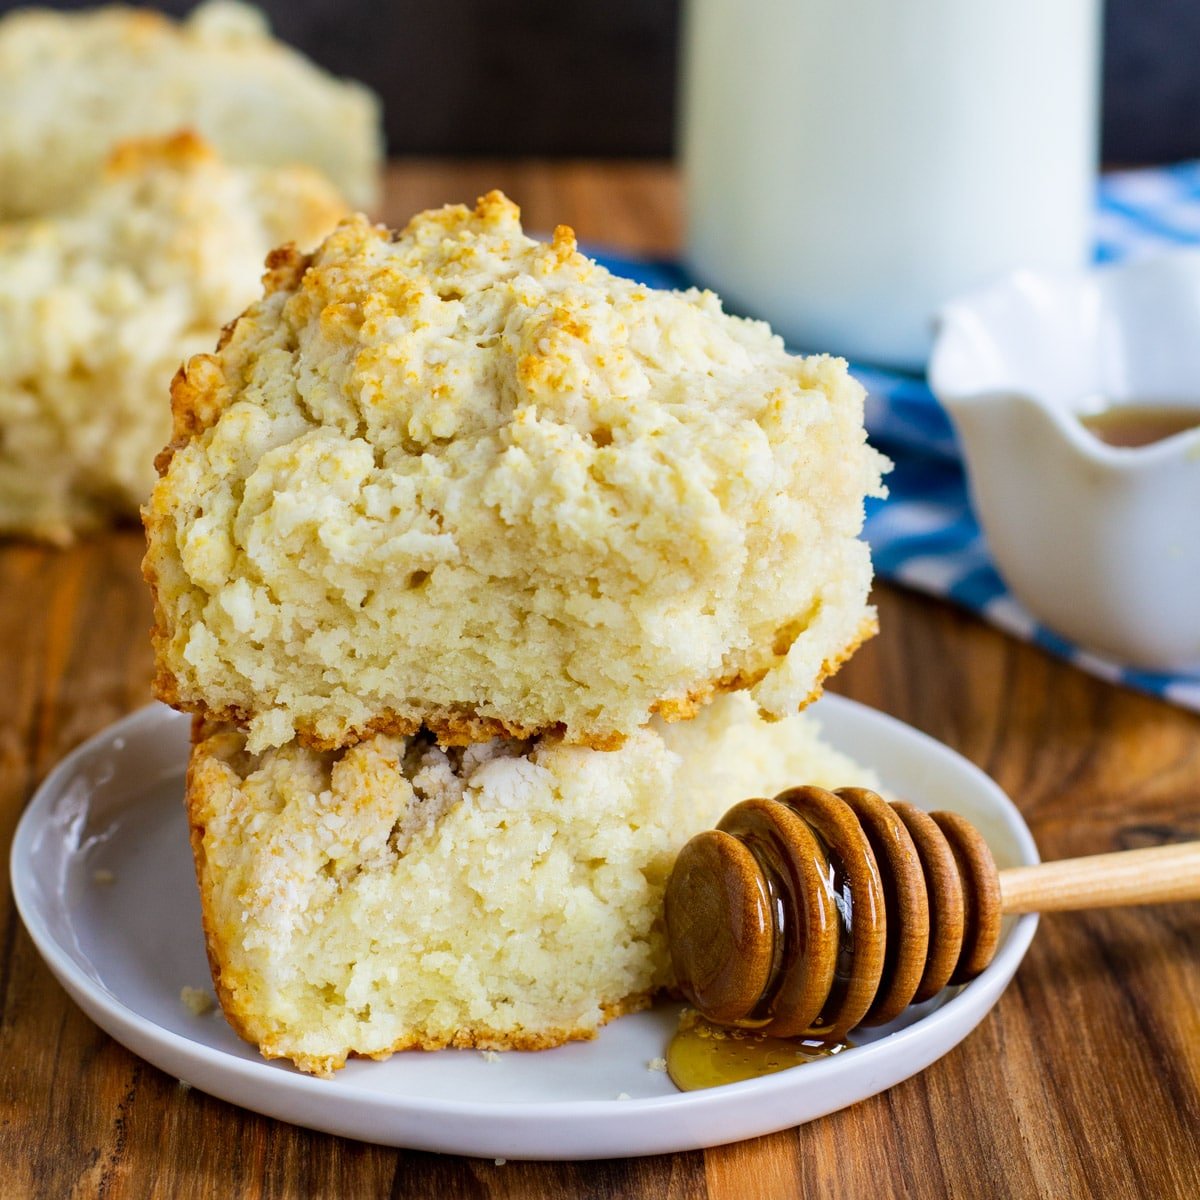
(491, 578)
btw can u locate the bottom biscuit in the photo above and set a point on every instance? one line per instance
(505, 895)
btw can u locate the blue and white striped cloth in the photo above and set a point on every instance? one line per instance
(924, 534)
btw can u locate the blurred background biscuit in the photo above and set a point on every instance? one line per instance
(100, 303)
(74, 84)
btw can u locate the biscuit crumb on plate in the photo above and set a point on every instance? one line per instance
(198, 1001)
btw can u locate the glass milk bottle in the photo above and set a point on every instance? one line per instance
(852, 164)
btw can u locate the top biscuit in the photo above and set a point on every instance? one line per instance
(457, 477)
(72, 85)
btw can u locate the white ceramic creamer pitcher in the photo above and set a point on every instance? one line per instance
(1101, 543)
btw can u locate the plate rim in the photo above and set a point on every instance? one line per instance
(968, 1007)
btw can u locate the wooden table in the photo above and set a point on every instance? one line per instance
(1085, 1081)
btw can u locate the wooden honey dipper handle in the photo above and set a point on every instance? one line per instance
(1150, 876)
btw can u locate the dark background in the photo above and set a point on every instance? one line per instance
(597, 77)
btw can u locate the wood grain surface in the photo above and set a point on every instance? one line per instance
(1084, 1081)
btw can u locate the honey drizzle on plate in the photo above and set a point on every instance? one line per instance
(703, 1055)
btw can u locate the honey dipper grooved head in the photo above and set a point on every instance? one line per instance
(817, 911)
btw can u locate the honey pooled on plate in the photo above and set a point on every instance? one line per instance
(704, 1055)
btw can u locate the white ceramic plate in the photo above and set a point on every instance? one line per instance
(124, 945)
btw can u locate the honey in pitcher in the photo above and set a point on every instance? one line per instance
(1132, 425)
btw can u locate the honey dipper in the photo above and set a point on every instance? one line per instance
(817, 911)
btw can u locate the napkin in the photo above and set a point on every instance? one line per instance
(924, 535)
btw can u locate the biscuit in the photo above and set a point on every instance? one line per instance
(72, 85)
(457, 478)
(399, 895)
(101, 303)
